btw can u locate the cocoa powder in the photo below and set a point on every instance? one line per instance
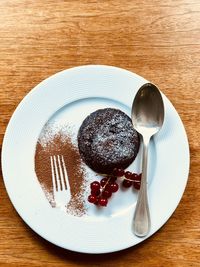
(60, 143)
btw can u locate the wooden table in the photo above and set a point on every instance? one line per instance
(159, 40)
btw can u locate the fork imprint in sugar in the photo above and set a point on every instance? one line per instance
(61, 187)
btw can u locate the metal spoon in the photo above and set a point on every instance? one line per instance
(147, 119)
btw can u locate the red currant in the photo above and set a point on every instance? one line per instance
(92, 199)
(128, 175)
(127, 183)
(103, 202)
(106, 193)
(114, 187)
(103, 181)
(107, 187)
(95, 192)
(119, 172)
(95, 186)
(134, 176)
(136, 185)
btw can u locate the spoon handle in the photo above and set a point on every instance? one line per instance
(141, 220)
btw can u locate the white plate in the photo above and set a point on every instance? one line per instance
(71, 95)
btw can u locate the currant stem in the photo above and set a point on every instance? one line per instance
(134, 180)
(103, 187)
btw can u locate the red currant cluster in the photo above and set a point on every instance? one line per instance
(102, 191)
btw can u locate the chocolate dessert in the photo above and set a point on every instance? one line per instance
(107, 140)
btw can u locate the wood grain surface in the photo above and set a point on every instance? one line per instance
(159, 40)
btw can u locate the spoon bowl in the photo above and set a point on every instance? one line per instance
(147, 118)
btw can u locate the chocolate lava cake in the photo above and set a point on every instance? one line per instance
(106, 139)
